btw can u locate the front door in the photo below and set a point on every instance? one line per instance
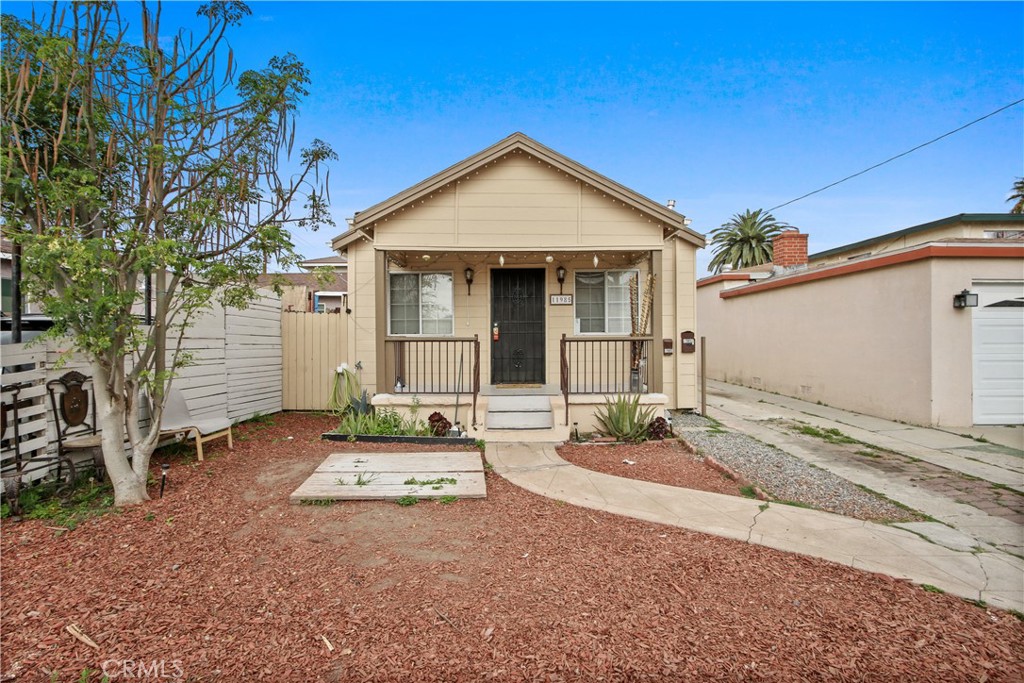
(517, 310)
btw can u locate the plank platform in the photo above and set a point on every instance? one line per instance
(382, 476)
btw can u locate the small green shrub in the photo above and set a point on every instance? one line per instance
(625, 419)
(406, 501)
(383, 422)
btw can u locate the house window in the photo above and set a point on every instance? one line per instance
(602, 302)
(421, 303)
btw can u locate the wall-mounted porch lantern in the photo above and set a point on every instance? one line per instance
(965, 299)
(469, 281)
(560, 274)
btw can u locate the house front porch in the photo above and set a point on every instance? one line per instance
(550, 330)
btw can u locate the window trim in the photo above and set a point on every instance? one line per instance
(575, 300)
(419, 308)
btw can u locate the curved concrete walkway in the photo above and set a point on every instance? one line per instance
(996, 578)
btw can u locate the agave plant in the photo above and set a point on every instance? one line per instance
(624, 418)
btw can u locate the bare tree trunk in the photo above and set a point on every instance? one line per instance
(129, 488)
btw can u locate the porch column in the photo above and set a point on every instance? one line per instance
(380, 274)
(655, 380)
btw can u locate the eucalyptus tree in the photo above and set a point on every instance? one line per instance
(132, 152)
(745, 240)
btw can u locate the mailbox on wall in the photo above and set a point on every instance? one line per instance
(666, 346)
(687, 342)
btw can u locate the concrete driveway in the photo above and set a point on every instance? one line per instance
(972, 484)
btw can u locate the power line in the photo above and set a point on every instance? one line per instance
(903, 154)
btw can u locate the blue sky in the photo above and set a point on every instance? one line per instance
(720, 106)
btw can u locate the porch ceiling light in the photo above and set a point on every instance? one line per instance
(549, 258)
(965, 299)
(469, 281)
(560, 274)
(595, 260)
(501, 260)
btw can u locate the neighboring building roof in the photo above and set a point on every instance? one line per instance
(336, 260)
(517, 141)
(339, 283)
(944, 248)
(981, 218)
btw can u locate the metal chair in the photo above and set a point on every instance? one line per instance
(74, 415)
(13, 474)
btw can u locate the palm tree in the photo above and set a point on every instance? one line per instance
(746, 240)
(1018, 196)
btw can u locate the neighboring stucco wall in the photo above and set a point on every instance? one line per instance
(860, 342)
(884, 342)
(952, 333)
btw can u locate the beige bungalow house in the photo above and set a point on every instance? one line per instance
(513, 286)
(923, 325)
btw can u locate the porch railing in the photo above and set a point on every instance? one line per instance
(604, 365)
(433, 365)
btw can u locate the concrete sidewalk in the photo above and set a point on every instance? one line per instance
(995, 577)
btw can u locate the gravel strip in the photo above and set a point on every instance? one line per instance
(785, 477)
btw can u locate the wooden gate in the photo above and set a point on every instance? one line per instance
(313, 345)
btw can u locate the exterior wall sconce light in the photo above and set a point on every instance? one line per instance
(469, 281)
(560, 274)
(965, 299)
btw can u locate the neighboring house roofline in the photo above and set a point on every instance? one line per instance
(992, 218)
(927, 250)
(337, 261)
(518, 141)
(722, 277)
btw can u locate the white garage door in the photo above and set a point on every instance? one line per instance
(999, 353)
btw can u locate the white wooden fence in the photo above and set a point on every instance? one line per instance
(236, 363)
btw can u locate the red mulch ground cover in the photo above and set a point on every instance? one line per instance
(223, 580)
(663, 462)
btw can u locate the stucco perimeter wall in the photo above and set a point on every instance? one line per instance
(860, 342)
(952, 338)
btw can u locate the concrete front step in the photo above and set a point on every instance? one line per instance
(557, 434)
(518, 404)
(519, 420)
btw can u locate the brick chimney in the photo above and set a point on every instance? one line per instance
(790, 249)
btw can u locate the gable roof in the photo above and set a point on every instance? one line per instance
(364, 220)
(336, 260)
(980, 218)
